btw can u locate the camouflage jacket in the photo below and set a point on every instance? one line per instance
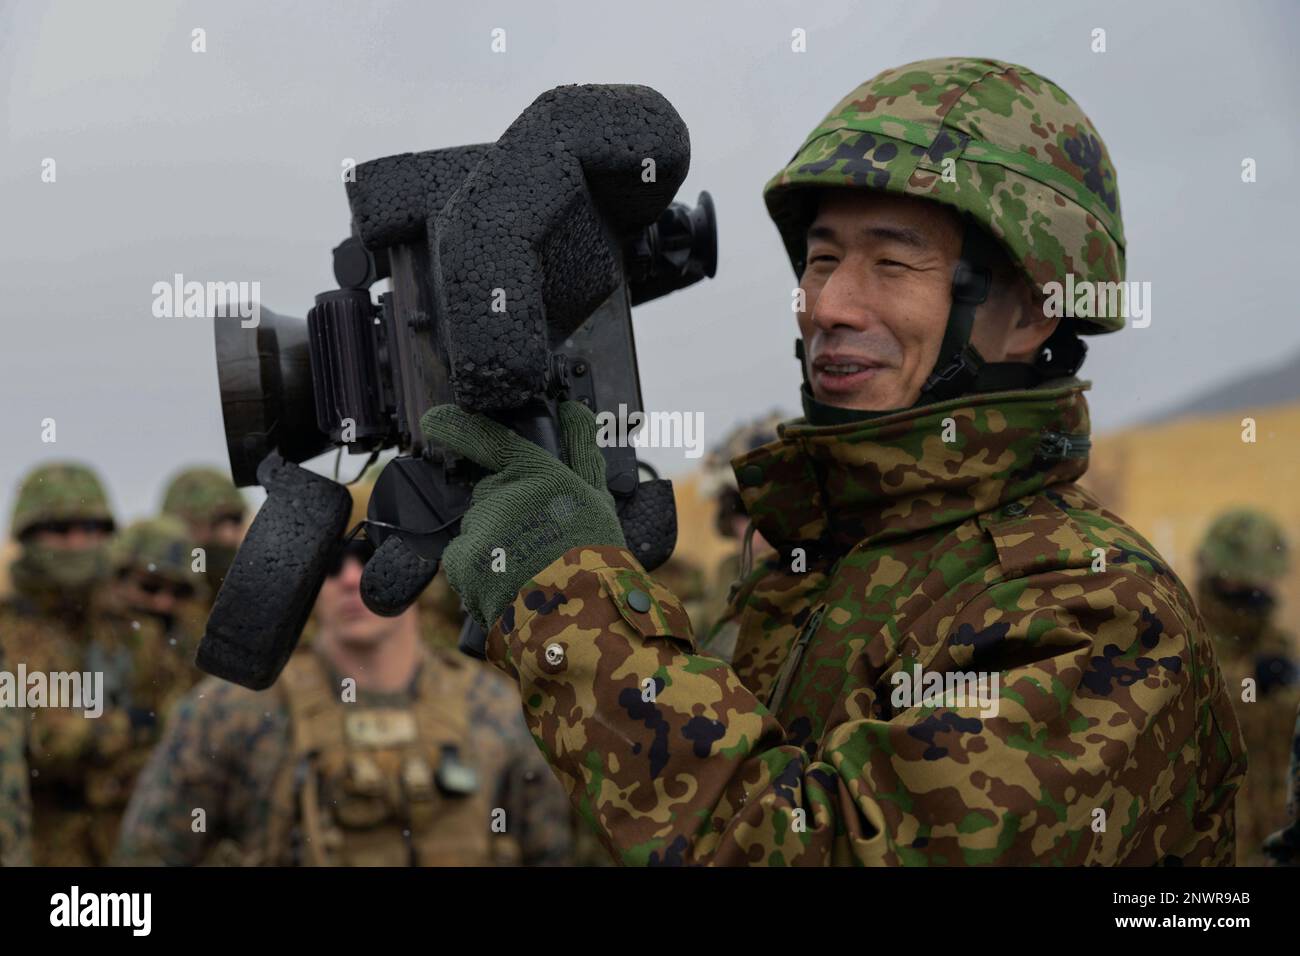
(1259, 677)
(15, 799)
(226, 746)
(62, 742)
(84, 765)
(935, 541)
(1284, 845)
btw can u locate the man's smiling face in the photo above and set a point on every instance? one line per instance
(877, 289)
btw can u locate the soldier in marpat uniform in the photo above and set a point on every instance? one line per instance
(717, 633)
(213, 511)
(1239, 564)
(154, 586)
(955, 654)
(371, 749)
(15, 794)
(54, 625)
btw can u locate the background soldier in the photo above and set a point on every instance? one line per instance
(1240, 562)
(155, 588)
(371, 749)
(716, 631)
(15, 795)
(214, 511)
(1283, 847)
(63, 524)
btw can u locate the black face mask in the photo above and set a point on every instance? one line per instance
(1245, 600)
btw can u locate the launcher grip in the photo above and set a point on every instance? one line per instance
(277, 573)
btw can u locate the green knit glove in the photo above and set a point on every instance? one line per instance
(533, 508)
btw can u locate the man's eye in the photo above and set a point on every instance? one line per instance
(893, 262)
(823, 257)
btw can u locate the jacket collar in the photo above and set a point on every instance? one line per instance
(896, 476)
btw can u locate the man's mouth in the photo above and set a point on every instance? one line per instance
(841, 374)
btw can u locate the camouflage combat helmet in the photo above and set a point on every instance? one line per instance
(60, 492)
(202, 494)
(158, 546)
(1244, 546)
(993, 140)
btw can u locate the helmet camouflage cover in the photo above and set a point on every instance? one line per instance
(1245, 546)
(202, 494)
(991, 139)
(59, 492)
(158, 546)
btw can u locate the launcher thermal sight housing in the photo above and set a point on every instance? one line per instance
(513, 269)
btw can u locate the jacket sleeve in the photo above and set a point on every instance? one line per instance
(202, 778)
(15, 797)
(540, 802)
(680, 763)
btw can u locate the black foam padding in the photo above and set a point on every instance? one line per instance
(392, 198)
(394, 577)
(542, 216)
(277, 573)
(649, 520)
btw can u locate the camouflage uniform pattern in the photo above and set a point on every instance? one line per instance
(15, 797)
(202, 494)
(1283, 847)
(59, 492)
(47, 625)
(83, 767)
(1246, 549)
(227, 746)
(161, 546)
(1025, 162)
(979, 555)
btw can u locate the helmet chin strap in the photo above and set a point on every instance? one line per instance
(960, 369)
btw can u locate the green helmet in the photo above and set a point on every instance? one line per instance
(202, 495)
(1244, 546)
(60, 492)
(160, 546)
(990, 139)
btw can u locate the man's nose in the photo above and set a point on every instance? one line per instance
(845, 300)
(350, 574)
(78, 539)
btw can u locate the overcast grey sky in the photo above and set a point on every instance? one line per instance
(225, 165)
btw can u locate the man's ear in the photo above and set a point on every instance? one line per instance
(1031, 328)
